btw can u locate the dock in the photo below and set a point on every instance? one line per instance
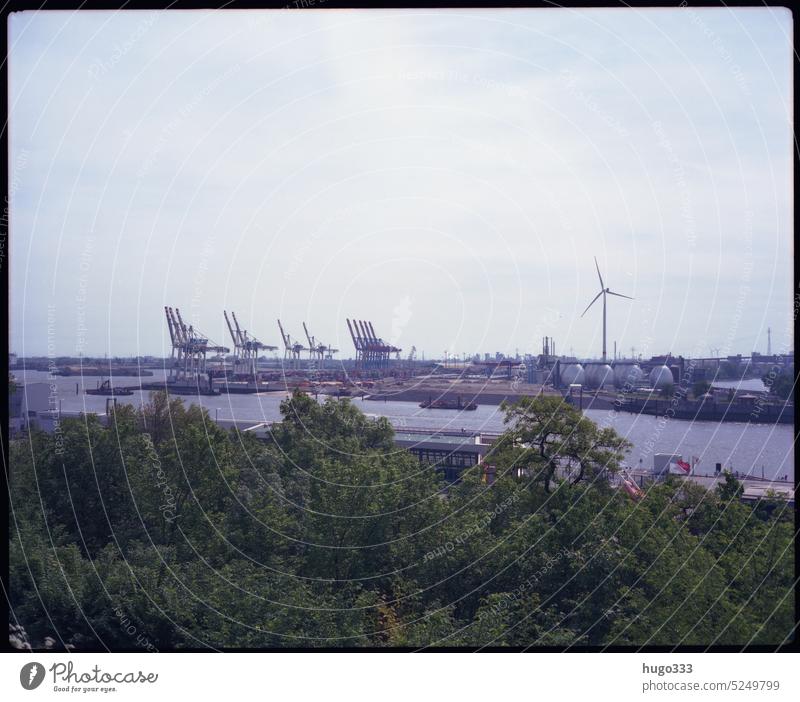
(754, 488)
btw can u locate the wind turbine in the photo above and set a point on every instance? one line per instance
(603, 291)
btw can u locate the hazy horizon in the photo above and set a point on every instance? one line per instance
(449, 175)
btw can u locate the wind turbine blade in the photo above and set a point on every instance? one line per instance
(598, 272)
(592, 302)
(619, 295)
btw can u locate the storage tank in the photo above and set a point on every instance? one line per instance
(598, 376)
(661, 377)
(573, 375)
(627, 374)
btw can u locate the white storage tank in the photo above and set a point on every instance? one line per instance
(627, 374)
(573, 375)
(661, 377)
(598, 376)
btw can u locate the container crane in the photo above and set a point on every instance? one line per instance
(317, 351)
(291, 350)
(371, 350)
(246, 348)
(357, 344)
(313, 349)
(189, 348)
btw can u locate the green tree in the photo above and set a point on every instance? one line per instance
(730, 488)
(781, 385)
(552, 440)
(162, 531)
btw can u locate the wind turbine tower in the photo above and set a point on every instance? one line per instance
(603, 291)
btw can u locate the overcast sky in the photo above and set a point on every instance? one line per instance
(449, 175)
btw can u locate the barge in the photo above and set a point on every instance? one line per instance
(105, 388)
(456, 404)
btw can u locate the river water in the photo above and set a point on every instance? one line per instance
(747, 448)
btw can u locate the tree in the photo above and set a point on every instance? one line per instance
(551, 439)
(729, 370)
(781, 385)
(162, 531)
(730, 488)
(358, 493)
(700, 387)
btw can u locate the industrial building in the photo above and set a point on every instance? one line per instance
(33, 406)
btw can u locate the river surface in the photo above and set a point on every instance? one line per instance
(746, 448)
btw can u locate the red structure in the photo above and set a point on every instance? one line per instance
(371, 350)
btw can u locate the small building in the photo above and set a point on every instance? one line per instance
(448, 454)
(33, 406)
(662, 461)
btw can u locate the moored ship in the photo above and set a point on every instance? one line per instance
(105, 388)
(456, 404)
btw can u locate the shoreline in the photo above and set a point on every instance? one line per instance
(688, 411)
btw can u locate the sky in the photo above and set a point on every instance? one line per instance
(449, 175)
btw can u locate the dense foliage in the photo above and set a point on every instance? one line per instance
(163, 531)
(780, 384)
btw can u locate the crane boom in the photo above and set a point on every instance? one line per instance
(169, 326)
(353, 336)
(286, 340)
(242, 336)
(179, 331)
(364, 332)
(184, 330)
(378, 340)
(230, 328)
